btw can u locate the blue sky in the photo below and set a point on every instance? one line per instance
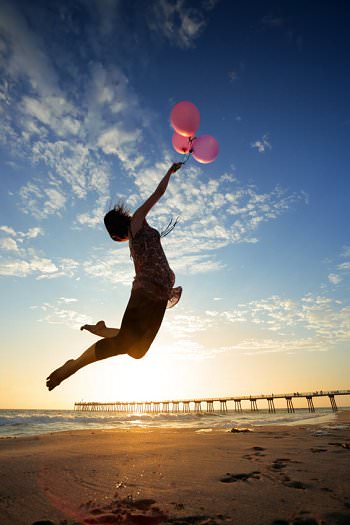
(262, 248)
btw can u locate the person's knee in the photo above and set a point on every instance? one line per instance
(138, 350)
(137, 354)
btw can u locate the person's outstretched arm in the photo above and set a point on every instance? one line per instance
(142, 211)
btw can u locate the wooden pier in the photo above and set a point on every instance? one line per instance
(210, 405)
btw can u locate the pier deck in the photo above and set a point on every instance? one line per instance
(212, 404)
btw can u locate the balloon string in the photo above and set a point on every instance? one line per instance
(187, 155)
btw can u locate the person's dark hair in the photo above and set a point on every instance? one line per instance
(117, 221)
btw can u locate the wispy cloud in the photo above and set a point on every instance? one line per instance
(334, 278)
(262, 144)
(19, 258)
(41, 202)
(179, 22)
(339, 268)
(8, 245)
(69, 130)
(215, 215)
(327, 319)
(311, 323)
(55, 313)
(345, 266)
(75, 133)
(181, 330)
(232, 75)
(22, 268)
(253, 347)
(115, 267)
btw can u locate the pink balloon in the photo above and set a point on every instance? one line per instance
(181, 144)
(185, 118)
(205, 149)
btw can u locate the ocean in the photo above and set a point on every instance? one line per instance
(15, 423)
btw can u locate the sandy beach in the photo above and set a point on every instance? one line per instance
(282, 475)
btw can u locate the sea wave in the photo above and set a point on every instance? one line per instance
(30, 422)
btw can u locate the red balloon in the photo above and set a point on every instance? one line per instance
(185, 118)
(181, 144)
(205, 149)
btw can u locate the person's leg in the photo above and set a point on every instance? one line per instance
(141, 322)
(86, 358)
(152, 321)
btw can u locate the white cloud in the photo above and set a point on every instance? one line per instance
(67, 300)
(41, 202)
(334, 278)
(19, 259)
(8, 229)
(23, 268)
(65, 268)
(32, 233)
(54, 112)
(262, 144)
(116, 141)
(9, 245)
(344, 266)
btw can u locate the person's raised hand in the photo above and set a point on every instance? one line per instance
(175, 166)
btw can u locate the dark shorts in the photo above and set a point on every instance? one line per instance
(140, 324)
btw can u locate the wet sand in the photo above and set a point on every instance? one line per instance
(282, 475)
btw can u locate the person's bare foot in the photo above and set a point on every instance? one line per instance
(96, 329)
(60, 374)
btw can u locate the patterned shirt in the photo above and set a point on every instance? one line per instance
(153, 272)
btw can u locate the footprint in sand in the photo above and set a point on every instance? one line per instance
(296, 485)
(143, 512)
(279, 464)
(232, 478)
(258, 452)
(43, 522)
(127, 510)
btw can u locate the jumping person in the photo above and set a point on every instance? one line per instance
(152, 290)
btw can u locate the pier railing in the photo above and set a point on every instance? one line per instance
(212, 404)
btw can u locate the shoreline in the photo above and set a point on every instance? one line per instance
(272, 475)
